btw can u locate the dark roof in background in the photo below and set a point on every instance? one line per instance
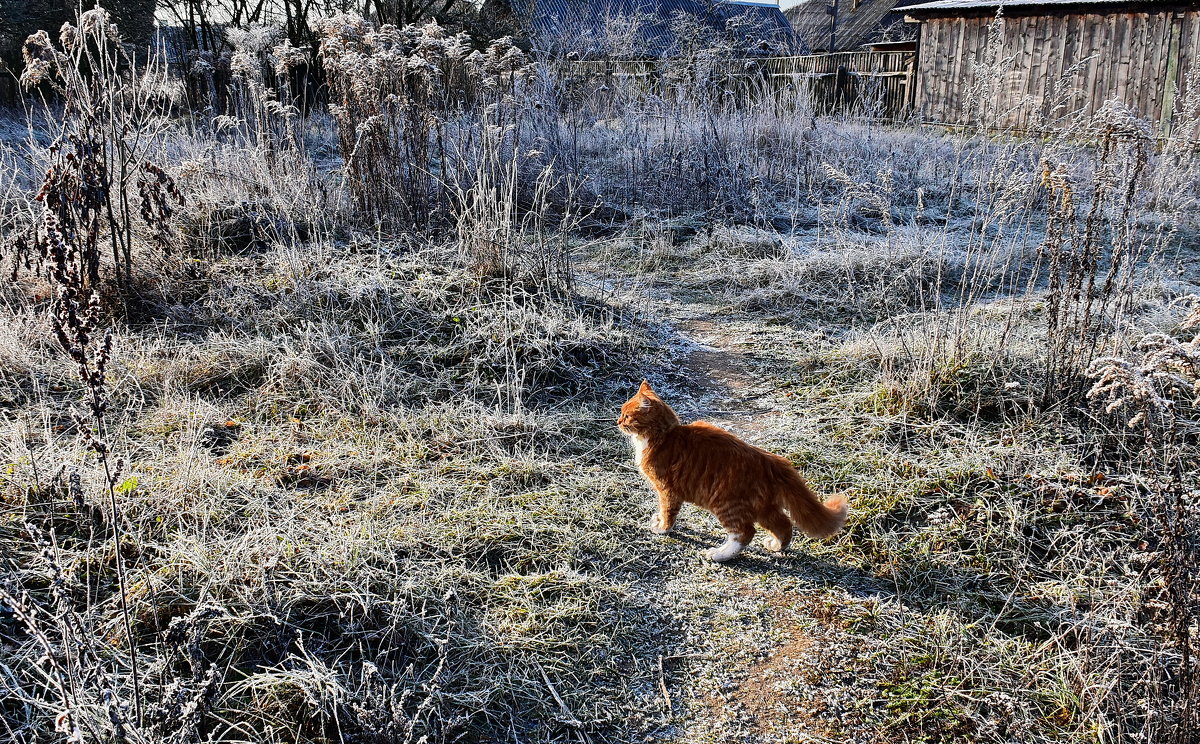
(810, 22)
(586, 26)
(866, 22)
(965, 7)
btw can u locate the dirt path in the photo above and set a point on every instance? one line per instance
(762, 634)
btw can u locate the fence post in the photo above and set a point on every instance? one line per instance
(910, 85)
(841, 88)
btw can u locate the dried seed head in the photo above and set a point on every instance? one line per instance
(98, 23)
(287, 58)
(68, 37)
(242, 66)
(40, 58)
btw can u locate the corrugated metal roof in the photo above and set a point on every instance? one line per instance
(971, 5)
(857, 23)
(863, 22)
(588, 27)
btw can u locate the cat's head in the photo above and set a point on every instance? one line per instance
(645, 413)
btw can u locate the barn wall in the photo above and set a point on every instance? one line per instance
(1053, 66)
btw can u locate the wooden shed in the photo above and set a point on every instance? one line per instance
(1048, 59)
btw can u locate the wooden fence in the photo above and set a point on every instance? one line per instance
(1029, 73)
(875, 84)
(872, 83)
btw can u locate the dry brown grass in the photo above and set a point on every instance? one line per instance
(369, 489)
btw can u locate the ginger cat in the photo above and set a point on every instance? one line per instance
(739, 483)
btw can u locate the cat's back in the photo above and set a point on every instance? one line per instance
(705, 437)
(711, 442)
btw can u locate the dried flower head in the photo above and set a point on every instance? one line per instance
(242, 66)
(68, 37)
(287, 58)
(40, 59)
(98, 24)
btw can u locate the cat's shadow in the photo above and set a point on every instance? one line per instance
(980, 598)
(795, 563)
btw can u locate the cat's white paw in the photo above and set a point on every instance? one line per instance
(727, 552)
(657, 527)
(772, 544)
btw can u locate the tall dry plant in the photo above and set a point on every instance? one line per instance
(1091, 264)
(1150, 400)
(508, 228)
(107, 116)
(259, 108)
(397, 95)
(84, 671)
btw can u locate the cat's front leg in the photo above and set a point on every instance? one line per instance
(668, 510)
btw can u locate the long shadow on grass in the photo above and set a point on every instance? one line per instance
(795, 564)
(974, 596)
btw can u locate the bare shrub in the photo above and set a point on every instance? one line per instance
(396, 94)
(1156, 397)
(110, 118)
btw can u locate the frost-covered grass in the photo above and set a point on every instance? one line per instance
(369, 488)
(336, 527)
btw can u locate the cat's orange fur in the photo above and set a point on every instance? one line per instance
(742, 485)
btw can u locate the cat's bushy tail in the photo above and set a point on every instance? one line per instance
(809, 514)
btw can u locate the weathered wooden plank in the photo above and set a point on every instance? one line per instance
(1189, 46)
(1093, 50)
(1074, 64)
(933, 93)
(979, 33)
(1125, 52)
(1162, 30)
(954, 69)
(1141, 69)
(1189, 50)
(1110, 66)
(1052, 77)
(1039, 82)
(936, 100)
(926, 92)
(962, 63)
(1133, 57)
(1154, 67)
(1170, 75)
(1014, 54)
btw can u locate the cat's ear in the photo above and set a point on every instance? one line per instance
(645, 388)
(644, 404)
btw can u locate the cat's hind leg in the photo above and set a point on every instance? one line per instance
(738, 534)
(780, 527)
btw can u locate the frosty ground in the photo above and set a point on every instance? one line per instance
(363, 413)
